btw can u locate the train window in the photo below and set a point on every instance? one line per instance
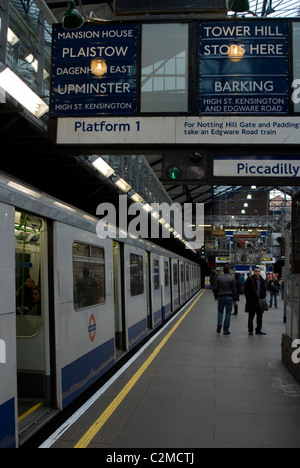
(136, 275)
(28, 274)
(175, 271)
(156, 274)
(187, 273)
(182, 274)
(167, 276)
(89, 275)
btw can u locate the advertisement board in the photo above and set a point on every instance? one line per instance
(244, 68)
(94, 70)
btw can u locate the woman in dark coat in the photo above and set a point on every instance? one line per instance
(255, 289)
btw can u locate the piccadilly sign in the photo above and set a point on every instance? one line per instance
(244, 68)
(94, 70)
(257, 166)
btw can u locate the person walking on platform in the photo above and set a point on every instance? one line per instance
(225, 293)
(255, 289)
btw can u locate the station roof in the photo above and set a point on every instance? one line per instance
(60, 174)
(270, 8)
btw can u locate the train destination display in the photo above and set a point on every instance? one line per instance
(94, 70)
(243, 68)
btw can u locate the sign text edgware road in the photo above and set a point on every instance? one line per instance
(209, 130)
(244, 68)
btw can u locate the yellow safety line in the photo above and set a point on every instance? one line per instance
(97, 426)
(30, 411)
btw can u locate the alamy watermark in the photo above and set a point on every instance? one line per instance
(2, 352)
(158, 220)
(296, 354)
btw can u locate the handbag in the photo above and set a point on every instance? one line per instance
(263, 304)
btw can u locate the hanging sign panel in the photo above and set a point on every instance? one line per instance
(257, 167)
(244, 68)
(94, 70)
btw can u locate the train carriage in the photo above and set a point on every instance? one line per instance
(72, 304)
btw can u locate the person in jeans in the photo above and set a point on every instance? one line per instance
(273, 287)
(225, 292)
(255, 289)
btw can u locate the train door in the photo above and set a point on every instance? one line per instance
(175, 285)
(148, 290)
(120, 336)
(35, 384)
(181, 283)
(166, 290)
(187, 281)
(156, 291)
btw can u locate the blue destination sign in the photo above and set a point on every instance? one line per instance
(94, 71)
(244, 68)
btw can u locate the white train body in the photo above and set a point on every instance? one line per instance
(98, 300)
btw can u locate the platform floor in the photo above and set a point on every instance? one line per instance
(201, 390)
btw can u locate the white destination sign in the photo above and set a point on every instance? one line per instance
(206, 130)
(256, 167)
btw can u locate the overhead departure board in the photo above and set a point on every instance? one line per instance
(244, 68)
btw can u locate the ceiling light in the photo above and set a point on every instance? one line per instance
(99, 67)
(35, 64)
(122, 185)
(103, 167)
(236, 52)
(137, 198)
(14, 86)
(147, 208)
(239, 6)
(12, 38)
(155, 215)
(72, 19)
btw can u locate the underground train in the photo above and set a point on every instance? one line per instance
(72, 304)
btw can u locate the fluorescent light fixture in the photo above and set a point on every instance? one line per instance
(147, 208)
(14, 86)
(103, 167)
(122, 185)
(137, 198)
(35, 65)
(155, 215)
(12, 38)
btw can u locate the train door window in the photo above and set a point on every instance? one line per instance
(156, 274)
(32, 318)
(182, 274)
(118, 293)
(167, 275)
(88, 275)
(148, 289)
(136, 275)
(175, 271)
